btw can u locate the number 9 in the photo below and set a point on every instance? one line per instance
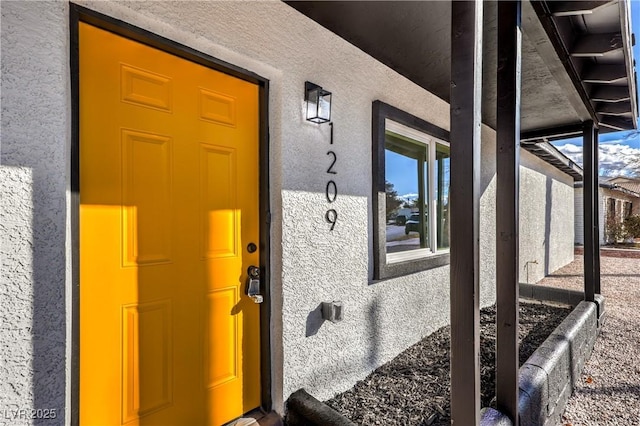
(332, 217)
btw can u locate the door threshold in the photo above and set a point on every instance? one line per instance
(257, 417)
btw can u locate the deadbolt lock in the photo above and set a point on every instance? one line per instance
(253, 284)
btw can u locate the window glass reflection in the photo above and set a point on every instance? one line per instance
(417, 209)
(406, 187)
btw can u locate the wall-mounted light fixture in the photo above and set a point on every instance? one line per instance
(318, 103)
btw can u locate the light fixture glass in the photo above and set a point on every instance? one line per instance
(318, 103)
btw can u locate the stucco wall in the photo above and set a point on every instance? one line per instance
(578, 209)
(546, 218)
(33, 218)
(310, 264)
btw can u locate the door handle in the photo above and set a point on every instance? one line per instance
(253, 284)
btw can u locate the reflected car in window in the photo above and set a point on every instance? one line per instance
(413, 224)
(401, 220)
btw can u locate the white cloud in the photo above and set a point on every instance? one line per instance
(570, 148)
(615, 159)
(408, 197)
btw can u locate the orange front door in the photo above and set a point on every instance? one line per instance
(168, 206)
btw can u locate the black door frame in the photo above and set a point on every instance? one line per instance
(79, 14)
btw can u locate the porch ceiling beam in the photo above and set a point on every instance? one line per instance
(610, 94)
(572, 8)
(615, 123)
(465, 116)
(551, 155)
(552, 133)
(615, 109)
(597, 45)
(553, 28)
(507, 201)
(605, 74)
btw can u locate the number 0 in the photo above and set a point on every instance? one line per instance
(332, 191)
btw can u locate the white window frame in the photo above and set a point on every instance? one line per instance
(430, 142)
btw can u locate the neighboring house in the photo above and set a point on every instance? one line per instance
(616, 202)
(172, 223)
(632, 184)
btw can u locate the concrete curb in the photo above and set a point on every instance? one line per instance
(304, 409)
(547, 378)
(543, 293)
(493, 417)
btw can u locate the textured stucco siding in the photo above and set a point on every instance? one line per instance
(310, 264)
(16, 287)
(33, 218)
(546, 218)
(578, 208)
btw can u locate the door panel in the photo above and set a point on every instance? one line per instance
(168, 203)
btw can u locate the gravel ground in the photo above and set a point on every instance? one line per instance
(609, 389)
(413, 388)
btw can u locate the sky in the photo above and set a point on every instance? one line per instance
(616, 148)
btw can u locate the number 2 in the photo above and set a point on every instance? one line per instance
(335, 158)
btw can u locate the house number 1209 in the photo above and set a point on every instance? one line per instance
(331, 190)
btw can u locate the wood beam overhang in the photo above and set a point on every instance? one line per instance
(576, 7)
(507, 202)
(542, 9)
(597, 45)
(605, 74)
(579, 50)
(536, 30)
(624, 8)
(465, 113)
(615, 109)
(615, 123)
(610, 94)
(551, 155)
(552, 133)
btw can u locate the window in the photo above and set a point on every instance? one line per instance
(411, 161)
(611, 208)
(416, 193)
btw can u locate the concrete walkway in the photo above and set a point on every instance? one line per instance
(609, 389)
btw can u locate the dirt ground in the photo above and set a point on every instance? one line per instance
(414, 387)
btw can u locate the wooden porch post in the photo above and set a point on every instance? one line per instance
(596, 212)
(588, 196)
(466, 96)
(507, 202)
